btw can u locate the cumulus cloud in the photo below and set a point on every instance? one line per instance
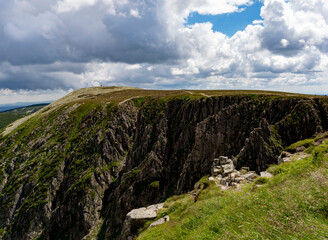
(68, 44)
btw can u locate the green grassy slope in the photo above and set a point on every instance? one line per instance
(8, 117)
(67, 133)
(293, 204)
(117, 95)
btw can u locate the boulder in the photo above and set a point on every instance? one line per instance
(266, 174)
(227, 168)
(223, 160)
(160, 221)
(250, 176)
(216, 171)
(211, 179)
(136, 219)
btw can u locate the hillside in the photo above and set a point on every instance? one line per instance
(293, 204)
(74, 169)
(9, 116)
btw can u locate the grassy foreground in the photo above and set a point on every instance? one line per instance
(293, 204)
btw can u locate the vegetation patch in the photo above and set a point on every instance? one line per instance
(291, 205)
(305, 143)
(154, 184)
(10, 116)
(261, 180)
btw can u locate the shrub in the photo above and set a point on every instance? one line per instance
(261, 180)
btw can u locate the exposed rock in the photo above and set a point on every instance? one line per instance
(230, 176)
(136, 218)
(91, 162)
(261, 149)
(250, 176)
(160, 221)
(227, 168)
(211, 178)
(266, 174)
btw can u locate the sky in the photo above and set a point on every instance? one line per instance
(49, 48)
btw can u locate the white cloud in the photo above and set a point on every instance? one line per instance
(135, 13)
(73, 5)
(70, 44)
(285, 42)
(9, 96)
(257, 22)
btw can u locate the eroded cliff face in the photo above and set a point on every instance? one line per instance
(76, 172)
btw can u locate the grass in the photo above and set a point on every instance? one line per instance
(293, 204)
(65, 127)
(117, 95)
(306, 143)
(8, 117)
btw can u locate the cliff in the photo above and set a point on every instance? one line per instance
(75, 169)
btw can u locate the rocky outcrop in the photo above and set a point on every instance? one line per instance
(136, 219)
(261, 148)
(80, 169)
(225, 175)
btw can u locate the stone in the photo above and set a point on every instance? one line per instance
(211, 179)
(265, 174)
(239, 179)
(160, 221)
(223, 181)
(216, 162)
(223, 160)
(244, 170)
(216, 171)
(216, 167)
(136, 218)
(229, 161)
(250, 176)
(145, 212)
(227, 168)
(219, 176)
(235, 175)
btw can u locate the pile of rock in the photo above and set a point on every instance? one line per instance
(225, 174)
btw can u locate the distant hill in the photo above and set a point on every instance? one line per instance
(11, 106)
(7, 116)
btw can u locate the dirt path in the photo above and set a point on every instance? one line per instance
(205, 95)
(128, 100)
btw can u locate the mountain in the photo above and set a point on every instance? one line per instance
(9, 116)
(12, 106)
(75, 168)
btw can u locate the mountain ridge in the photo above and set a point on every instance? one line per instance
(79, 166)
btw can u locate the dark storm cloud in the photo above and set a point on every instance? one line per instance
(44, 43)
(67, 44)
(35, 77)
(43, 37)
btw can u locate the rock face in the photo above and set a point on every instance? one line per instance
(262, 147)
(78, 170)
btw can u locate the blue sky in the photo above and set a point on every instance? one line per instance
(229, 23)
(51, 47)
